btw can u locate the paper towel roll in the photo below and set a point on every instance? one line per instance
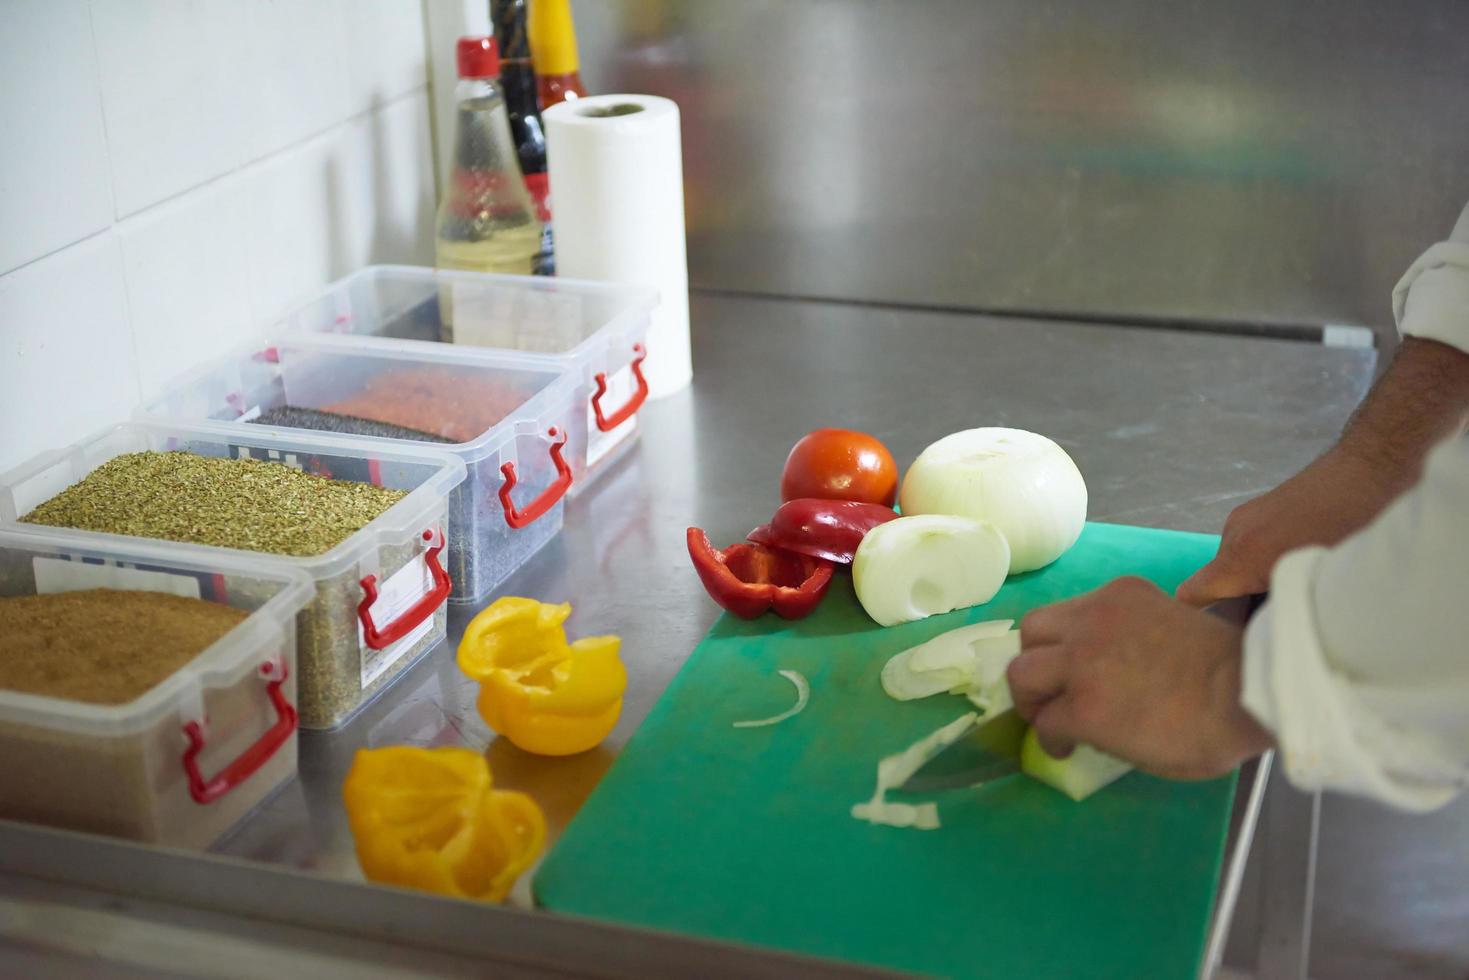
(616, 173)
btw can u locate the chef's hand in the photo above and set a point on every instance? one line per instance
(1329, 500)
(1129, 671)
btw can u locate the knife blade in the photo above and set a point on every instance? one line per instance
(1237, 610)
(988, 749)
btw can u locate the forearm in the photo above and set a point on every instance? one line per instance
(1422, 399)
(1424, 396)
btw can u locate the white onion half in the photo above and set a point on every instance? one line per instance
(1021, 482)
(914, 567)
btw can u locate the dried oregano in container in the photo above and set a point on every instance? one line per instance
(263, 506)
(230, 503)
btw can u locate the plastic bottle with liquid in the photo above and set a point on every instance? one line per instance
(487, 221)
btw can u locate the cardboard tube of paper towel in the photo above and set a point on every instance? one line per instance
(616, 173)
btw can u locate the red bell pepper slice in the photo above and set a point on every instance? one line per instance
(830, 529)
(749, 579)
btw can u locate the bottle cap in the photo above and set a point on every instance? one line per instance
(478, 57)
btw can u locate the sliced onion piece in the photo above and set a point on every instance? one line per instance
(1022, 482)
(915, 567)
(986, 686)
(893, 771)
(803, 694)
(942, 664)
(1079, 775)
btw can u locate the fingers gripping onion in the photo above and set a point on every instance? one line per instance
(915, 567)
(1021, 482)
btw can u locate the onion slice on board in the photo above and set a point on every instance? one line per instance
(942, 664)
(894, 770)
(803, 694)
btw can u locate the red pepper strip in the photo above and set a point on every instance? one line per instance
(749, 579)
(830, 529)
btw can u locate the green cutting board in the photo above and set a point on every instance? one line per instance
(744, 834)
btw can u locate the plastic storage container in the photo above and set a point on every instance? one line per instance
(380, 594)
(517, 412)
(601, 329)
(184, 762)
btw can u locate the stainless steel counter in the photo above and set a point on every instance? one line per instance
(1171, 429)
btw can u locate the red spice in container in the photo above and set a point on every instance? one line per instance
(458, 407)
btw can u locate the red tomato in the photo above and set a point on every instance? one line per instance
(839, 464)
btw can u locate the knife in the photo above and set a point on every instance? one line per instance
(988, 749)
(990, 746)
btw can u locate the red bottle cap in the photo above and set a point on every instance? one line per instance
(478, 57)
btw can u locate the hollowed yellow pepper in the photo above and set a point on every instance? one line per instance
(545, 695)
(429, 819)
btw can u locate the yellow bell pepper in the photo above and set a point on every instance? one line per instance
(430, 819)
(545, 695)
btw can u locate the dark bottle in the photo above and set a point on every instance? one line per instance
(518, 87)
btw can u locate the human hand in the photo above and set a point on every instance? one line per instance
(1329, 500)
(1129, 671)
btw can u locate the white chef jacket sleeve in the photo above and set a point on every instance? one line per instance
(1359, 663)
(1432, 299)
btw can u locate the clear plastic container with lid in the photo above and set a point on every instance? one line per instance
(507, 418)
(380, 595)
(185, 761)
(599, 330)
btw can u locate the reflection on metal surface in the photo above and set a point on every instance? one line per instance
(1172, 429)
(1243, 162)
(1211, 420)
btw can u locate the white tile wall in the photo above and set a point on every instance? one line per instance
(385, 51)
(54, 184)
(188, 283)
(244, 78)
(177, 92)
(174, 173)
(361, 193)
(66, 351)
(298, 66)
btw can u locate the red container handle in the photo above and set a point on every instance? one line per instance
(415, 614)
(609, 422)
(207, 791)
(549, 496)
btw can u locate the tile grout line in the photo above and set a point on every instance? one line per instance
(121, 257)
(255, 162)
(220, 178)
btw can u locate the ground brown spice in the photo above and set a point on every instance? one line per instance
(104, 646)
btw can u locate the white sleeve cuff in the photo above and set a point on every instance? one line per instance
(1431, 301)
(1326, 738)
